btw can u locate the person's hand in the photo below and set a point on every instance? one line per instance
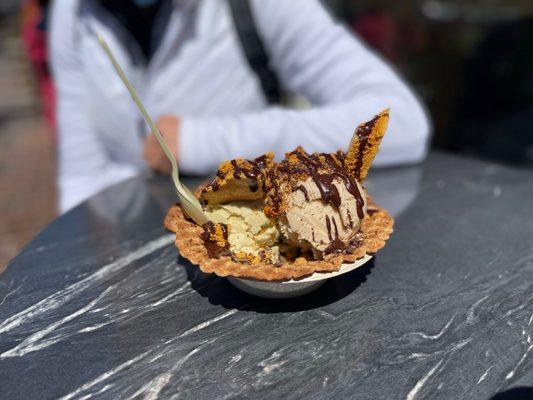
(153, 154)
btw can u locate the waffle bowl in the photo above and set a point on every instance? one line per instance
(290, 279)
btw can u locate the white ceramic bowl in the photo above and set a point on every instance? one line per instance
(291, 288)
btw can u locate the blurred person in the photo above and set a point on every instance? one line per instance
(199, 68)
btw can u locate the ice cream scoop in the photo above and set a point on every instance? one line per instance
(318, 203)
(252, 236)
(312, 224)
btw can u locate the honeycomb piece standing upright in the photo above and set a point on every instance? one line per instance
(365, 144)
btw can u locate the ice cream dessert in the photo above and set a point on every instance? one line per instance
(278, 220)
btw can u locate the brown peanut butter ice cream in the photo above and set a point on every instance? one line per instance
(311, 224)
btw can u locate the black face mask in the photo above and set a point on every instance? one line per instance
(138, 17)
(144, 3)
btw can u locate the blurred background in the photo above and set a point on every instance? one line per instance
(471, 62)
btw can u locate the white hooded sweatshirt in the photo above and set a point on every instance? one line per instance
(200, 74)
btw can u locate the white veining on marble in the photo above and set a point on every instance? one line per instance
(124, 298)
(413, 393)
(186, 286)
(436, 335)
(94, 327)
(32, 342)
(528, 347)
(484, 376)
(61, 297)
(418, 355)
(496, 258)
(104, 376)
(470, 315)
(272, 363)
(104, 389)
(152, 389)
(137, 365)
(487, 311)
(511, 373)
(235, 359)
(10, 294)
(205, 324)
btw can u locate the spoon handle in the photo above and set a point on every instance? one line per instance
(183, 192)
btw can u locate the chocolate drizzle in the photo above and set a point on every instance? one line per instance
(328, 226)
(341, 156)
(335, 247)
(261, 162)
(335, 226)
(251, 169)
(253, 186)
(356, 242)
(214, 184)
(215, 248)
(371, 211)
(275, 193)
(332, 234)
(253, 172)
(324, 169)
(336, 244)
(303, 190)
(350, 218)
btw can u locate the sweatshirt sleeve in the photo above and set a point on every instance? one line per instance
(83, 166)
(345, 82)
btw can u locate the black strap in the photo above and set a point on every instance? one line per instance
(254, 49)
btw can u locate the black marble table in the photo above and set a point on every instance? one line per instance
(99, 305)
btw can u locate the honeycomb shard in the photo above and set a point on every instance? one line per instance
(365, 144)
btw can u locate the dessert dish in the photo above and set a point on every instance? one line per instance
(264, 224)
(287, 220)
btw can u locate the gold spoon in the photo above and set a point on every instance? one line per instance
(188, 201)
